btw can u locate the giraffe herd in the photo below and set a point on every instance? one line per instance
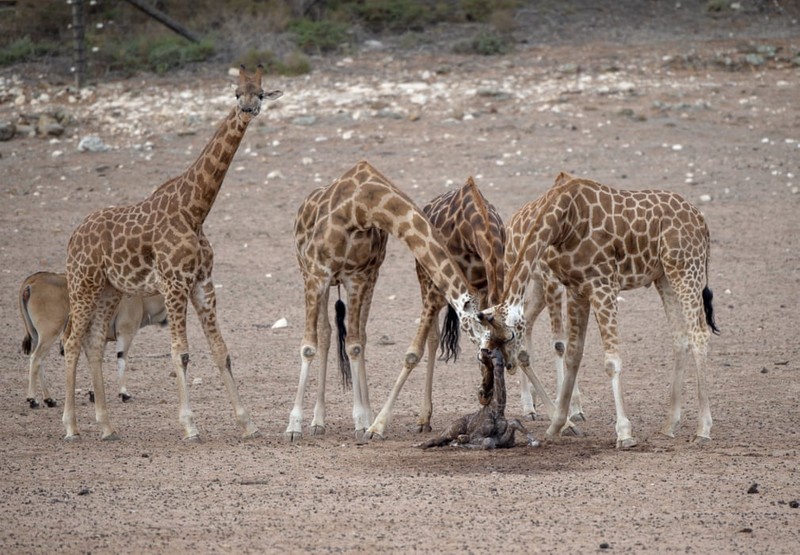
(577, 246)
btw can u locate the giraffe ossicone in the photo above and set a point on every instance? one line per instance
(157, 246)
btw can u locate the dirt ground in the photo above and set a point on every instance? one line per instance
(705, 106)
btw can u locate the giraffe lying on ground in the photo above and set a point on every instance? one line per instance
(44, 307)
(340, 233)
(157, 246)
(488, 428)
(607, 240)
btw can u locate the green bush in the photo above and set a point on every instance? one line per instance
(295, 63)
(318, 36)
(485, 43)
(25, 50)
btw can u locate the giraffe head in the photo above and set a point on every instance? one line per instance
(249, 93)
(504, 329)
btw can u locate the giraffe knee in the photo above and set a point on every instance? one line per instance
(354, 351)
(560, 348)
(613, 366)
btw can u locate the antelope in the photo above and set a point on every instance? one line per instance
(44, 307)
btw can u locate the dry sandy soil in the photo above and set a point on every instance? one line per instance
(704, 106)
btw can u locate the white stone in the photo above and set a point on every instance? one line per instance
(281, 323)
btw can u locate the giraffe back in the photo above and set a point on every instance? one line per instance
(631, 237)
(475, 236)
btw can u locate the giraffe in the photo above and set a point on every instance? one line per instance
(340, 233)
(157, 245)
(604, 241)
(543, 291)
(474, 235)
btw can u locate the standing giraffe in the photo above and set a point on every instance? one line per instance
(157, 245)
(543, 290)
(340, 233)
(474, 235)
(607, 240)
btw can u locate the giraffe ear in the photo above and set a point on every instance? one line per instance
(242, 75)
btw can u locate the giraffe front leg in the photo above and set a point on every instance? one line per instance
(204, 302)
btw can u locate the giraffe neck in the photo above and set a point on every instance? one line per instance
(384, 206)
(203, 179)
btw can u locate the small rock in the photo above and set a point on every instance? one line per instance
(84, 491)
(753, 489)
(93, 143)
(282, 323)
(197, 381)
(384, 340)
(305, 120)
(705, 198)
(7, 130)
(794, 503)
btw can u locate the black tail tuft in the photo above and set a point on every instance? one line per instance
(341, 332)
(26, 344)
(450, 335)
(708, 296)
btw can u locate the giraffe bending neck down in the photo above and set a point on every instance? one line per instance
(341, 232)
(543, 290)
(606, 240)
(157, 245)
(474, 235)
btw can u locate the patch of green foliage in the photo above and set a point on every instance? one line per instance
(316, 37)
(485, 43)
(25, 50)
(158, 55)
(296, 63)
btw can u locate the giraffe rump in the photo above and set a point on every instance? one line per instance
(341, 335)
(450, 336)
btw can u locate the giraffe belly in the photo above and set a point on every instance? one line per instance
(141, 282)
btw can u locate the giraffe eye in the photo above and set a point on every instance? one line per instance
(261, 96)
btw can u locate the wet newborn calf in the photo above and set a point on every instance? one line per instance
(488, 428)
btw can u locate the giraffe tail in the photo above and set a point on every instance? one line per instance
(341, 333)
(708, 308)
(450, 335)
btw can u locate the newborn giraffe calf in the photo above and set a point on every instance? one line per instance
(488, 428)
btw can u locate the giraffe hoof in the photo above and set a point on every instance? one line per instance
(293, 437)
(193, 439)
(424, 429)
(628, 443)
(531, 416)
(50, 402)
(317, 430)
(72, 437)
(113, 436)
(125, 397)
(578, 417)
(485, 397)
(251, 434)
(33, 403)
(370, 435)
(701, 440)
